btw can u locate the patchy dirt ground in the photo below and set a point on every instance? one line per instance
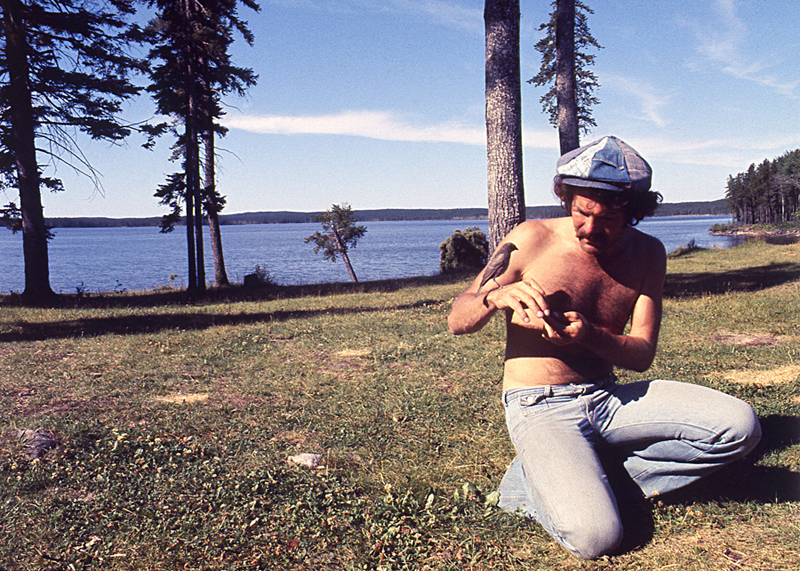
(785, 374)
(748, 339)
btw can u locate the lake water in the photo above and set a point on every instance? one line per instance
(136, 259)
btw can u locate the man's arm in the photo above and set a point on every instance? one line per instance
(637, 349)
(475, 307)
(470, 312)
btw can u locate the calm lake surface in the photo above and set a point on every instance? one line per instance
(136, 259)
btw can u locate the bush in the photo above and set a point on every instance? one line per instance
(689, 248)
(260, 277)
(464, 251)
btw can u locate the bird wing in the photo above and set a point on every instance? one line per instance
(498, 264)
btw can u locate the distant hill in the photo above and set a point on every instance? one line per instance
(716, 207)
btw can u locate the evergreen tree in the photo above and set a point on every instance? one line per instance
(64, 67)
(193, 68)
(566, 70)
(768, 193)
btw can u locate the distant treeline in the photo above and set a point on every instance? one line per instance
(768, 193)
(716, 207)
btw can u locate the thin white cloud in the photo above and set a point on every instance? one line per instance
(735, 153)
(723, 42)
(381, 125)
(651, 100)
(371, 124)
(451, 14)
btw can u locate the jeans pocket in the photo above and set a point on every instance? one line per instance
(532, 406)
(545, 404)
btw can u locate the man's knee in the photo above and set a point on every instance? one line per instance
(745, 429)
(592, 539)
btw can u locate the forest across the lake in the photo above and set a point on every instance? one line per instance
(716, 208)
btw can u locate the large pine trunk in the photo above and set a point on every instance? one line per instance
(34, 230)
(503, 119)
(566, 82)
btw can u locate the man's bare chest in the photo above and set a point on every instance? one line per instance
(602, 297)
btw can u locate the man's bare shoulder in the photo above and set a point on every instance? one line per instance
(647, 245)
(536, 231)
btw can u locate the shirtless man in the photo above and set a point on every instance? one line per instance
(570, 288)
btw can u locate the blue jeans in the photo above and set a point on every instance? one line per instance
(669, 434)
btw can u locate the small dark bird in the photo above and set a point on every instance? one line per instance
(498, 264)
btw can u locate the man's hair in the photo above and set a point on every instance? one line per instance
(635, 204)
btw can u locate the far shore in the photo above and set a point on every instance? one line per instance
(757, 231)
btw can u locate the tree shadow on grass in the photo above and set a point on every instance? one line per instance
(151, 323)
(136, 324)
(236, 293)
(746, 279)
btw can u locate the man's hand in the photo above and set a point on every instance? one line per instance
(525, 298)
(565, 329)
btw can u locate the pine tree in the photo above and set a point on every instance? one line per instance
(193, 68)
(64, 67)
(566, 70)
(339, 234)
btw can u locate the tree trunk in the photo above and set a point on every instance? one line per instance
(192, 260)
(343, 252)
(503, 119)
(198, 233)
(566, 83)
(192, 159)
(194, 220)
(212, 214)
(34, 230)
(191, 166)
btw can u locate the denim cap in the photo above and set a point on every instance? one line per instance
(608, 164)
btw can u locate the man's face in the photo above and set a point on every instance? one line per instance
(597, 227)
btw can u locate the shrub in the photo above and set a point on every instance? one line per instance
(260, 277)
(721, 228)
(689, 248)
(464, 251)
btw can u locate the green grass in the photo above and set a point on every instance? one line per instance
(176, 420)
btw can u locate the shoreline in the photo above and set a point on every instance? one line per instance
(757, 233)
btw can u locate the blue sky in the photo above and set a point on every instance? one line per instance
(380, 103)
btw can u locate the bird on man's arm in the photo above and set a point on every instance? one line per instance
(498, 264)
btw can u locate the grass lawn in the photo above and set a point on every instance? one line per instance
(175, 421)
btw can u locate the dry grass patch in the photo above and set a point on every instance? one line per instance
(182, 398)
(779, 375)
(354, 352)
